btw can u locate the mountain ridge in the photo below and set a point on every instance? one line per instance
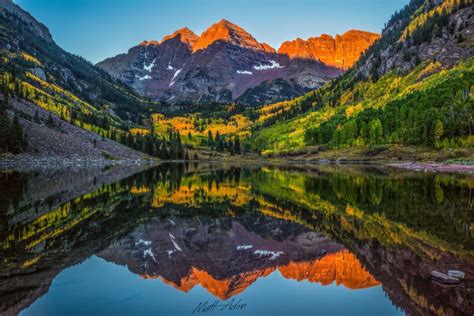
(225, 62)
(333, 51)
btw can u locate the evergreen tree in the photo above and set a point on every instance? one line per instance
(237, 148)
(164, 151)
(18, 138)
(210, 139)
(5, 129)
(218, 141)
(12, 137)
(50, 121)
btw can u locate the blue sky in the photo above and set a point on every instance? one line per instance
(97, 29)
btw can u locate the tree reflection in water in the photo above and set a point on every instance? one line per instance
(224, 227)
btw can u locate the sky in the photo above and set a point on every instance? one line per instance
(97, 29)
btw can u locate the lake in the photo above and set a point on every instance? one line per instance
(190, 239)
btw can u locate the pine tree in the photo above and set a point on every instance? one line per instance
(50, 121)
(237, 148)
(210, 140)
(163, 151)
(5, 129)
(17, 141)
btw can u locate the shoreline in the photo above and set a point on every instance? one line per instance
(31, 163)
(434, 167)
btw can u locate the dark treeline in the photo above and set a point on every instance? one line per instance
(170, 147)
(220, 143)
(14, 186)
(12, 136)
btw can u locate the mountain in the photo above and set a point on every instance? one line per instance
(56, 95)
(226, 64)
(412, 87)
(28, 47)
(227, 256)
(340, 52)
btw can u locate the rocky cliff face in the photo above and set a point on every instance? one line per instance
(340, 52)
(226, 63)
(38, 28)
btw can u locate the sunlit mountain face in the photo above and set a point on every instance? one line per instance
(226, 63)
(170, 238)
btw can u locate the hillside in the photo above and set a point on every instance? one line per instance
(52, 141)
(34, 69)
(411, 90)
(413, 87)
(29, 53)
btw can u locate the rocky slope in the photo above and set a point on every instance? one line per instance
(431, 30)
(59, 143)
(226, 63)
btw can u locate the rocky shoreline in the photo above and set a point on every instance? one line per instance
(26, 163)
(434, 167)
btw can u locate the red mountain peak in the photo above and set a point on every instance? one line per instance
(228, 32)
(150, 43)
(185, 35)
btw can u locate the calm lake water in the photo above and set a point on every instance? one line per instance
(191, 239)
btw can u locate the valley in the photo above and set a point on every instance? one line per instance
(253, 157)
(403, 95)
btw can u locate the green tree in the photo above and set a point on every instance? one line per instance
(438, 131)
(375, 132)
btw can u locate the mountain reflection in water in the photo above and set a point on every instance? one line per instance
(223, 228)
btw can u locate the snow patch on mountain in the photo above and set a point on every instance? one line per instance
(146, 77)
(244, 247)
(174, 76)
(149, 253)
(273, 65)
(244, 72)
(144, 242)
(150, 66)
(266, 253)
(175, 244)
